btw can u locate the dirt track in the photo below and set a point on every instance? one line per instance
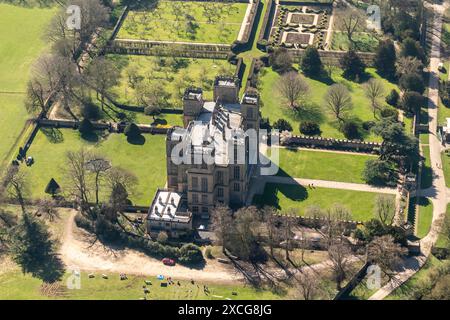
(78, 252)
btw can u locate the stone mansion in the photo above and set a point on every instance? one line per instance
(207, 160)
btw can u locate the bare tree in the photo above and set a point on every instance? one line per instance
(334, 223)
(374, 91)
(121, 184)
(350, 21)
(98, 166)
(385, 253)
(405, 65)
(221, 224)
(339, 255)
(294, 88)
(271, 223)
(102, 75)
(338, 101)
(77, 175)
(385, 209)
(288, 223)
(308, 285)
(16, 186)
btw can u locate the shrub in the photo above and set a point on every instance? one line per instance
(311, 63)
(367, 125)
(412, 102)
(208, 253)
(162, 237)
(132, 130)
(350, 130)
(282, 125)
(85, 127)
(412, 82)
(310, 128)
(190, 254)
(392, 98)
(90, 111)
(389, 113)
(281, 60)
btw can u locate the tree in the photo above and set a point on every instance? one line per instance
(52, 187)
(353, 66)
(120, 183)
(338, 101)
(310, 128)
(412, 102)
(412, 82)
(280, 60)
(86, 127)
(308, 284)
(77, 176)
(385, 209)
(282, 125)
(350, 21)
(311, 64)
(46, 208)
(102, 74)
(287, 225)
(221, 218)
(190, 254)
(99, 167)
(17, 186)
(378, 172)
(271, 223)
(407, 65)
(392, 98)
(385, 59)
(350, 129)
(374, 91)
(339, 255)
(35, 251)
(132, 130)
(384, 252)
(152, 111)
(162, 237)
(293, 88)
(412, 48)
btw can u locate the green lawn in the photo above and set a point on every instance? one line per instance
(16, 286)
(364, 41)
(285, 197)
(175, 74)
(427, 173)
(322, 165)
(443, 113)
(446, 167)
(315, 110)
(425, 217)
(146, 161)
(203, 22)
(21, 31)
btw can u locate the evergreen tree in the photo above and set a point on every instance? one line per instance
(311, 63)
(52, 187)
(353, 67)
(385, 59)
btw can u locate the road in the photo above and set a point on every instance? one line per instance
(438, 191)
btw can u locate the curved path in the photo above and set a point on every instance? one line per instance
(437, 194)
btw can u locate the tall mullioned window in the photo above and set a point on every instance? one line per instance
(204, 185)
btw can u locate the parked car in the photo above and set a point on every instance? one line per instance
(168, 262)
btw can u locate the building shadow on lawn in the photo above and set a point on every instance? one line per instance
(294, 192)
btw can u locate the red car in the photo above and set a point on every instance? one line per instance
(168, 262)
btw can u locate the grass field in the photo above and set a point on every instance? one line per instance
(15, 285)
(442, 242)
(425, 217)
(285, 197)
(174, 74)
(146, 161)
(446, 168)
(322, 165)
(443, 113)
(315, 110)
(364, 41)
(203, 22)
(21, 31)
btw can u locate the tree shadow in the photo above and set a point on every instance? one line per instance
(159, 121)
(137, 140)
(92, 136)
(53, 135)
(310, 111)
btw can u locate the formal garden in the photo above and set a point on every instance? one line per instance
(50, 147)
(17, 57)
(285, 197)
(186, 21)
(296, 26)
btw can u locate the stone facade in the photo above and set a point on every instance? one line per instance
(216, 128)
